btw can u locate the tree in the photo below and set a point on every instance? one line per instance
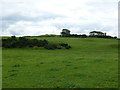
(65, 33)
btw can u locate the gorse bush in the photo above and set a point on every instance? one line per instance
(22, 42)
(65, 45)
(57, 46)
(50, 46)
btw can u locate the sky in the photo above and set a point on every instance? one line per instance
(39, 17)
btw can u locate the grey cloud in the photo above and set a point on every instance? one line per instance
(100, 6)
(12, 19)
(74, 28)
(18, 17)
(45, 17)
(80, 25)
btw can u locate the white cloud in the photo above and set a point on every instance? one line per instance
(35, 17)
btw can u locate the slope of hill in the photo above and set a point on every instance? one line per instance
(90, 63)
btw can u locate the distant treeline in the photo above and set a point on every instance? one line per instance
(47, 35)
(51, 35)
(21, 42)
(75, 35)
(85, 36)
(109, 37)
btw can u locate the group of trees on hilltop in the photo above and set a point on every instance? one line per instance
(65, 33)
(97, 34)
(22, 42)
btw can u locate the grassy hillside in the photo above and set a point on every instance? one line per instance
(90, 63)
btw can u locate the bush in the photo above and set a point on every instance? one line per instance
(22, 42)
(57, 46)
(50, 46)
(68, 47)
(65, 45)
(13, 37)
(36, 47)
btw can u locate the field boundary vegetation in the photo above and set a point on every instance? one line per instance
(21, 42)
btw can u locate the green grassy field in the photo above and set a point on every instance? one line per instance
(90, 63)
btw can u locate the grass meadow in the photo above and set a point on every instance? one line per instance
(90, 63)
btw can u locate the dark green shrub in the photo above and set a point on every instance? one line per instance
(22, 42)
(63, 44)
(50, 46)
(13, 37)
(68, 47)
(59, 47)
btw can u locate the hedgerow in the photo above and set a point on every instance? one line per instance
(23, 42)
